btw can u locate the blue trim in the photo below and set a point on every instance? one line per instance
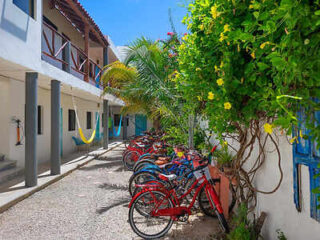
(305, 152)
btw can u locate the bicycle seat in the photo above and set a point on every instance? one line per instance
(167, 177)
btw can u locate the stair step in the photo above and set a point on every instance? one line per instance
(7, 164)
(10, 174)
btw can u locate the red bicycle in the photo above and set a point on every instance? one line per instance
(154, 209)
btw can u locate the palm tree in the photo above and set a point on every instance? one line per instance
(142, 81)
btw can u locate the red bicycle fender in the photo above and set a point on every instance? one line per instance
(214, 198)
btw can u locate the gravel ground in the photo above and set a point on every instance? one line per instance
(91, 203)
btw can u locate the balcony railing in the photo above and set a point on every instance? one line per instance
(60, 52)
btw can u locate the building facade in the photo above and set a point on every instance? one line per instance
(52, 51)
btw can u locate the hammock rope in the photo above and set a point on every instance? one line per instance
(117, 133)
(83, 138)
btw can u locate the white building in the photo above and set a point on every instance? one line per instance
(42, 41)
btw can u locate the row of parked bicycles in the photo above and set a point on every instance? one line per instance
(168, 187)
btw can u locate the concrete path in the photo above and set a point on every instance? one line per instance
(91, 203)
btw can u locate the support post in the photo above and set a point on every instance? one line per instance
(125, 128)
(68, 57)
(191, 131)
(86, 50)
(31, 120)
(106, 124)
(55, 128)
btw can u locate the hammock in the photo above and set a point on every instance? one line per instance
(117, 133)
(83, 138)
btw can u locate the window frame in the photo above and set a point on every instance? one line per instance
(40, 121)
(31, 7)
(89, 120)
(71, 117)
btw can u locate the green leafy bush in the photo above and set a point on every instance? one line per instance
(244, 229)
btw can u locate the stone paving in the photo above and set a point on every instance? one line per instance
(91, 203)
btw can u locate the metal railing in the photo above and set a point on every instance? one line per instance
(60, 52)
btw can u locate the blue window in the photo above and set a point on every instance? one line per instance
(26, 5)
(306, 152)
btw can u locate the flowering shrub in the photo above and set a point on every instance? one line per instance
(241, 55)
(250, 66)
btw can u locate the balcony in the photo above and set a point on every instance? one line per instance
(63, 54)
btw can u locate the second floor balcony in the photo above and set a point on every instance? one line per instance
(72, 42)
(59, 51)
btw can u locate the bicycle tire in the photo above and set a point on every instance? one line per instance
(135, 228)
(142, 162)
(135, 177)
(128, 159)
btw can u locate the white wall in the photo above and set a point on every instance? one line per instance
(4, 116)
(12, 102)
(280, 207)
(20, 35)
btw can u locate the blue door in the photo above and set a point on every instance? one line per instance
(306, 152)
(140, 124)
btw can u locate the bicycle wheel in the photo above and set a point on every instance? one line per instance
(205, 207)
(146, 225)
(130, 158)
(138, 165)
(204, 204)
(140, 178)
(223, 223)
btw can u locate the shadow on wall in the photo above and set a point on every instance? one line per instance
(11, 27)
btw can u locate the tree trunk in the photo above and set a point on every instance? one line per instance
(156, 123)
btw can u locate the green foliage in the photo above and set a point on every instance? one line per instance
(241, 55)
(244, 229)
(223, 156)
(281, 235)
(142, 81)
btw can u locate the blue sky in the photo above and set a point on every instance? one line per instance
(126, 20)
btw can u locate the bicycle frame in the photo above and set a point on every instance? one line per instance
(179, 210)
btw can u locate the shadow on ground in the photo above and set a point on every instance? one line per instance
(101, 166)
(121, 201)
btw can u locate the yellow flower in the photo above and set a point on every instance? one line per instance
(295, 139)
(268, 128)
(263, 45)
(214, 11)
(184, 38)
(225, 143)
(251, 6)
(182, 47)
(198, 69)
(253, 55)
(201, 27)
(226, 28)
(216, 69)
(220, 82)
(221, 64)
(227, 106)
(222, 37)
(199, 98)
(210, 96)
(301, 134)
(180, 154)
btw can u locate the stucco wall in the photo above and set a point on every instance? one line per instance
(4, 116)
(279, 206)
(12, 94)
(20, 34)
